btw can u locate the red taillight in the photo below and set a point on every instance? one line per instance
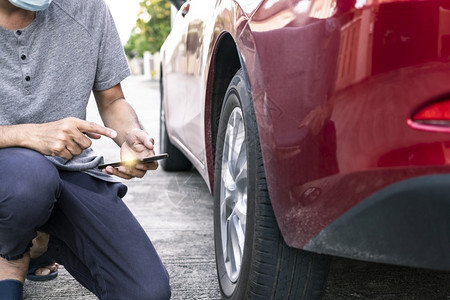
(432, 117)
(439, 111)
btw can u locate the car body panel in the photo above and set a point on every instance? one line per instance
(406, 223)
(333, 83)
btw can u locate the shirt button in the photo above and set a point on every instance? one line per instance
(23, 57)
(19, 32)
(28, 78)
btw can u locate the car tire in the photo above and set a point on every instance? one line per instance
(176, 161)
(253, 261)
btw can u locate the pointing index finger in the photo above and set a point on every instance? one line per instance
(91, 127)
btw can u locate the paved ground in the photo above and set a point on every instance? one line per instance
(176, 211)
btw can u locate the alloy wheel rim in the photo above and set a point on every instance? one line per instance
(233, 194)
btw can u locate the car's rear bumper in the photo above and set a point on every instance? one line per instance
(406, 223)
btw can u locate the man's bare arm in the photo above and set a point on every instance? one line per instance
(13, 135)
(64, 138)
(118, 114)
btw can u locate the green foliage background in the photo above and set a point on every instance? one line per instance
(151, 29)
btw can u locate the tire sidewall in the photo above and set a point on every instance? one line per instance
(238, 95)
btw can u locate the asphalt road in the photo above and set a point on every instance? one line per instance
(176, 211)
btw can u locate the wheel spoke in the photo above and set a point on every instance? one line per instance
(237, 237)
(241, 177)
(234, 246)
(240, 149)
(240, 209)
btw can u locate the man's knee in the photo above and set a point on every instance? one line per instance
(158, 290)
(155, 285)
(28, 191)
(30, 184)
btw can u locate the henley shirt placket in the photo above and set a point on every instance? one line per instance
(24, 61)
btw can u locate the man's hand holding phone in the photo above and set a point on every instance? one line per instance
(138, 145)
(134, 162)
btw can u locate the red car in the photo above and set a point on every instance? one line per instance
(322, 128)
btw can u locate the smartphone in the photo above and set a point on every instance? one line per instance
(136, 161)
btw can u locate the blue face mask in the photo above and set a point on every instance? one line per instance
(31, 5)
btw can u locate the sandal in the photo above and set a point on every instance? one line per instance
(41, 262)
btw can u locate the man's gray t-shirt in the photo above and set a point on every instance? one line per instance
(49, 69)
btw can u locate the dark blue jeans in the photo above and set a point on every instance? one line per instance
(93, 233)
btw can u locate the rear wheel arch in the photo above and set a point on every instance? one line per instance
(225, 62)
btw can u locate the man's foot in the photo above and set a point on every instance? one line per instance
(42, 267)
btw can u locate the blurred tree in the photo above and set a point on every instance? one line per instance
(151, 29)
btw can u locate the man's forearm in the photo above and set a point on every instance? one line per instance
(120, 116)
(116, 112)
(14, 135)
